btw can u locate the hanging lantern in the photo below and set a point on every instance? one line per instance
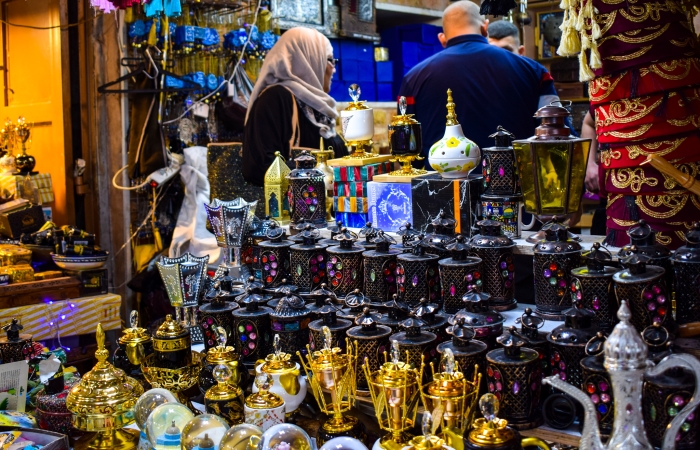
(307, 192)
(591, 286)
(380, 270)
(276, 187)
(686, 264)
(498, 265)
(498, 165)
(344, 265)
(231, 222)
(418, 275)
(308, 261)
(458, 274)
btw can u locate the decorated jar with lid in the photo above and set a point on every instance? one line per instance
(458, 274)
(172, 346)
(495, 250)
(224, 398)
(591, 285)
(468, 352)
(226, 355)
(133, 346)
(288, 382)
(264, 408)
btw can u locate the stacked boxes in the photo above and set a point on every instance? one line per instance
(355, 65)
(350, 201)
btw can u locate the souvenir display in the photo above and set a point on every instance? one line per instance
(243, 436)
(15, 346)
(626, 364)
(395, 389)
(433, 321)
(264, 408)
(686, 266)
(308, 261)
(418, 345)
(498, 266)
(452, 399)
(184, 278)
(231, 221)
(458, 274)
(274, 257)
(513, 376)
(145, 404)
(568, 343)
(591, 286)
(218, 312)
(371, 341)
(407, 234)
(225, 397)
(204, 432)
(355, 302)
(596, 382)
(552, 166)
(498, 165)
(307, 192)
(643, 286)
(555, 257)
(380, 269)
(331, 370)
(418, 275)
(252, 327)
(405, 141)
(290, 321)
(492, 433)
(276, 188)
(368, 232)
(469, 354)
(336, 327)
(102, 404)
(396, 312)
(222, 355)
(288, 382)
(132, 347)
(164, 425)
(357, 123)
(487, 323)
(344, 265)
(453, 156)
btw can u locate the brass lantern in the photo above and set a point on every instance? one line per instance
(552, 164)
(276, 186)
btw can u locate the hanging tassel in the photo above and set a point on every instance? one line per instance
(584, 72)
(661, 112)
(596, 62)
(634, 82)
(129, 15)
(631, 212)
(152, 34)
(570, 43)
(596, 32)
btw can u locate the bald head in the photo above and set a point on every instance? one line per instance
(461, 18)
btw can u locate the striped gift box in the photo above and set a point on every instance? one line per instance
(12, 185)
(350, 204)
(361, 173)
(350, 189)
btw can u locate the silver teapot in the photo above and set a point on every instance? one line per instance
(626, 362)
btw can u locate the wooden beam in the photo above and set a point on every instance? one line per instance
(67, 116)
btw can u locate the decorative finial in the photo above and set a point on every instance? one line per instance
(221, 373)
(402, 105)
(354, 91)
(327, 339)
(134, 319)
(427, 424)
(276, 345)
(488, 404)
(221, 337)
(451, 117)
(624, 313)
(395, 353)
(264, 382)
(448, 361)
(101, 354)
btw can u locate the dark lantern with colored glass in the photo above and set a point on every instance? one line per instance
(335, 230)
(290, 320)
(344, 264)
(251, 326)
(498, 266)
(418, 274)
(380, 270)
(643, 238)
(317, 300)
(274, 256)
(498, 165)
(487, 323)
(442, 233)
(307, 191)
(458, 274)
(514, 376)
(468, 352)
(396, 312)
(417, 344)
(308, 260)
(591, 285)
(372, 341)
(406, 234)
(434, 321)
(366, 236)
(554, 258)
(596, 382)
(329, 318)
(355, 302)
(686, 266)
(217, 312)
(535, 339)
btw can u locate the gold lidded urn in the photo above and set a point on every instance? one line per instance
(357, 123)
(226, 355)
(430, 441)
(102, 403)
(330, 370)
(225, 399)
(288, 382)
(133, 346)
(405, 141)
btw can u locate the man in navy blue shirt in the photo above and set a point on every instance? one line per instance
(490, 86)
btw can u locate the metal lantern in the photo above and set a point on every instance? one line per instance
(280, 291)
(290, 320)
(407, 234)
(514, 376)
(498, 265)
(535, 339)
(318, 299)
(418, 275)
(498, 165)
(458, 274)
(368, 232)
(596, 382)
(231, 221)
(591, 286)
(434, 322)
(396, 312)
(442, 233)
(371, 341)
(344, 265)
(643, 238)
(308, 261)
(336, 327)
(251, 326)
(307, 192)
(569, 344)
(217, 313)
(504, 209)
(276, 187)
(335, 230)
(274, 257)
(414, 341)
(487, 323)
(555, 257)
(686, 264)
(380, 269)
(644, 287)
(355, 302)
(468, 353)
(552, 164)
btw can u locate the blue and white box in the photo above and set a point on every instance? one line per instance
(390, 205)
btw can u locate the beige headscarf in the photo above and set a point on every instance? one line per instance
(298, 61)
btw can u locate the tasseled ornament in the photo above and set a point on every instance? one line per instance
(596, 62)
(631, 213)
(570, 43)
(129, 16)
(596, 32)
(584, 72)
(153, 34)
(496, 7)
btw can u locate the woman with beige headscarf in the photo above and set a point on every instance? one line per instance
(290, 105)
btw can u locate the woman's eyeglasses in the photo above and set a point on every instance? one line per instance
(333, 61)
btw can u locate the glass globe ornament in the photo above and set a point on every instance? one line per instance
(344, 443)
(148, 402)
(163, 420)
(285, 436)
(241, 437)
(203, 429)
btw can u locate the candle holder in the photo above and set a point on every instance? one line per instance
(407, 234)
(15, 346)
(498, 165)
(370, 340)
(307, 192)
(344, 265)
(644, 286)
(418, 274)
(487, 323)
(289, 383)
(498, 265)
(405, 142)
(686, 265)
(231, 221)
(596, 382)
(357, 122)
(252, 329)
(514, 377)
(308, 260)
(132, 347)
(183, 278)
(328, 369)
(591, 286)
(395, 389)
(225, 399)
(643, 238)
(418, 344)
(554, 259)
(290, 321)
(451, 398)
(102, 403)
(468, 353)
(329, 320)
(458, 274)
(274, 257)
(380, 269)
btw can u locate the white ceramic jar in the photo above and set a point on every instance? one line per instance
(288, 382)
